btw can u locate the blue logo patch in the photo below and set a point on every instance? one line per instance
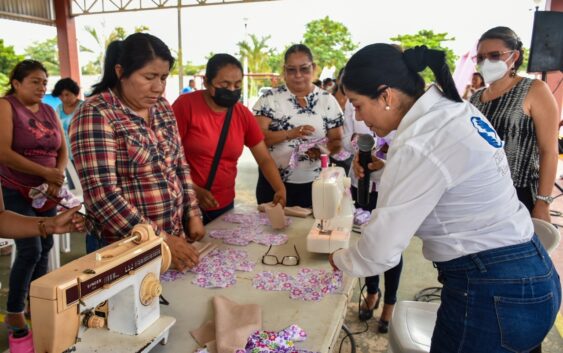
(487, 132)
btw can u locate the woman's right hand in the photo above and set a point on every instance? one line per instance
(67, 221)
(375, 164)
(54, 176)
(205, 198)
(184, 255)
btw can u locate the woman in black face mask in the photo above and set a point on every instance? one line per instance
(201, 116)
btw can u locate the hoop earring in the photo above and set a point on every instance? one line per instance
(388, 108)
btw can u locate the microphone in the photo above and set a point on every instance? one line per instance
(365, 145)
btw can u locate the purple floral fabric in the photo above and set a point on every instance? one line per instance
(276, 342)
(250, 219)
(217, 269)
(245, 235)
(309, 284)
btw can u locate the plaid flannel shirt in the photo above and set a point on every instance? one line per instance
(131, 172)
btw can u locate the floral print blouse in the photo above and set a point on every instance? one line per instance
(282, 107)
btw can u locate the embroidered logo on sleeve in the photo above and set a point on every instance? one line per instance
(487, 132)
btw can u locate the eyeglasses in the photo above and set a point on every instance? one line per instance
(492, 56)
(303, 70)
(286, 260)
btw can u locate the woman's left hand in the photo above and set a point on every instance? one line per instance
(541, 211)
(280, 197)
(196, 229)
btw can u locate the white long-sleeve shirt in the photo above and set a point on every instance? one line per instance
(447, 181)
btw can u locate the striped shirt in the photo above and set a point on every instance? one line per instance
(516, 129)
(131, 172)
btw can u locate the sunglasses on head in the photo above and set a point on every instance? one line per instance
(492, 56)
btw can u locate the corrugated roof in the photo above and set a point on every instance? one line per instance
(35, 11)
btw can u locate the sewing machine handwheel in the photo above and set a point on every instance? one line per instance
(141, 233)
(166, 258)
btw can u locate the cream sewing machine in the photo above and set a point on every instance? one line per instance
(107, 301)
(333, 209)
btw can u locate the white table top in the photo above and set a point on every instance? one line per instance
(192, 305)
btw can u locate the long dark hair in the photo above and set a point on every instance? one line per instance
(132, 53)
(21, 71)
(385, 64)
(509, 38)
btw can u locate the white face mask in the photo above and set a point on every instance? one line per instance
(493, 70)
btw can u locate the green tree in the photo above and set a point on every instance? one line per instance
(432, 41)
(47, 53)
(330, 42)
(94, 67)
(524, 66)
(257, 52)
(8, 59)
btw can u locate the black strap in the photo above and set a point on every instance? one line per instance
(219, 150)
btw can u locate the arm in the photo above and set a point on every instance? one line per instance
(334, 139)
(62, 160)
(543, 110)
(270, 171)
(404, 202)
(16, 226)
(16, 161)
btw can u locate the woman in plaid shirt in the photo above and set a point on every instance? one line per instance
(128, 154)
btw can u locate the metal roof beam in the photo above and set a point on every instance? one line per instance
(91, 7)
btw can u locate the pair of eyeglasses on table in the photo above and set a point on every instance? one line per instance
(272, 260)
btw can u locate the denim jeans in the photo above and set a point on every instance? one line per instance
(94, 242)
(499, 300)
(32, 254)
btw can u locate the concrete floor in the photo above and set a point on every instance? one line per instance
(418, 273)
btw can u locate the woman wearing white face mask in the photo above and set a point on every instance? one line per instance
(524, 114)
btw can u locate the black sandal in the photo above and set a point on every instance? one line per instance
(366, 314)
(383, 326)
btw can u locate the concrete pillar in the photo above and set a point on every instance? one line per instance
(67, 42)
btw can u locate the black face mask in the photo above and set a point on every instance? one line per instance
(226, 98)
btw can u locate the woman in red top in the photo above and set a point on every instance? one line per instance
(200, 117)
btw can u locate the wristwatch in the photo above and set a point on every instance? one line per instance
(546, 199)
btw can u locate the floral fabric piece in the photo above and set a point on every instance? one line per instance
(217, 269)
(276, 342)
(308, 284)
(251, 230)
(361, 216)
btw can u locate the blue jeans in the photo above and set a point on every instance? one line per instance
(32, 254)
(499, 300)
(94, 242)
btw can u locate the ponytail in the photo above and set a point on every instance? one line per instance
(420, 57)
(109, 80)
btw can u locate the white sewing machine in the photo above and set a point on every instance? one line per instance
(333, 209)
(107, 301)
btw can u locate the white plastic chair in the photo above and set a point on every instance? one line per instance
(547, 233)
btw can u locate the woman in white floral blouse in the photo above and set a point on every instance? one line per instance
(294, 114)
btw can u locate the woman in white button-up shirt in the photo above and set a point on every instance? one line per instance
(446, 179)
